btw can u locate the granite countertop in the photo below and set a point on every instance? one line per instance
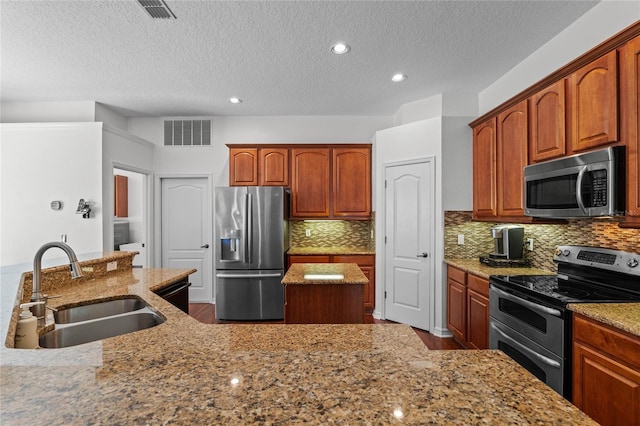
(316, 273)
(186, 372)
(331, 251)
(625, 316)
(473, 266)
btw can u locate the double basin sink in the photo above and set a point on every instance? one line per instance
(99, 320)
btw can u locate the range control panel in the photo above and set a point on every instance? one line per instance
(598, 257)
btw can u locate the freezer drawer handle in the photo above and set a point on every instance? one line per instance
(530, 305)
(276, 275)
(542, 358)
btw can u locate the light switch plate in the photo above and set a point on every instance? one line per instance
(460, 239)
(307, 232)
(112, 266)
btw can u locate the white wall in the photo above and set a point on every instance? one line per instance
(457, 163)
(43, 162)
(47, 112)
(121, 149)
(601, 22)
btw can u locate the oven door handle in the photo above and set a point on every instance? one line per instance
(530, 305)
(541, 358)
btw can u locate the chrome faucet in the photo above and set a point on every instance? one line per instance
(40, 311)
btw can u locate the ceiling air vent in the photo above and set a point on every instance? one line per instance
(187, 133)
(157, 9)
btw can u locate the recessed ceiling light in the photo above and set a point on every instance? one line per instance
(340, 48)
(398, 78)
(235, 100)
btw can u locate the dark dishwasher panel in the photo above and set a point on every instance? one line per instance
(177, 294)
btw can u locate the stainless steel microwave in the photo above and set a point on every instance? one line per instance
(583, 185)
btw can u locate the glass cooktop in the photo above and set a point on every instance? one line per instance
(561, 291)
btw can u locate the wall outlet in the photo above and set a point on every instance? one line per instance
(112, 266)
(460, 239)
(529, 244)
(307, 232)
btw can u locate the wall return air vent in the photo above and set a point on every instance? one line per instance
(157, 9)
(187, 133)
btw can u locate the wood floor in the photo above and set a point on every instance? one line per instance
(206, 313)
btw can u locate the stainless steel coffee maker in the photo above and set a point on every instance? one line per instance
(508, 242)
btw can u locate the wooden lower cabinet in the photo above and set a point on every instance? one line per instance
(468, 308)
(323, 304)
(365, 262)
(606, 372)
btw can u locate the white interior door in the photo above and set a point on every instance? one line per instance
(409, 233)
(186, 232)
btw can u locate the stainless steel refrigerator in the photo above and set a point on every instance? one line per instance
(252, 237)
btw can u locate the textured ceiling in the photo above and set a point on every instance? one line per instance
(274, 55)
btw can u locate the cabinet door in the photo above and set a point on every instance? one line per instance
(606, 373)
(121, 196)
(512, 157)
(547, 117)
(456, 304)
(477, 320)
(274, 167)
(594, 103)
(243, 166)
(630, 85)
(311, 183)
(351, 182)
(484, 170)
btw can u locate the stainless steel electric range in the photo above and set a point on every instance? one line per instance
(528, 315)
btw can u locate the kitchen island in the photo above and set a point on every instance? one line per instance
(186, 372)
(324, 293)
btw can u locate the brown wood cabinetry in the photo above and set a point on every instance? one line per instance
(513, 134)
(351, 169)
(484, 170)
(121, 196)
(274, 167)
(323, 304)
(606, 372)
(243, 166)
(630, 86)
(594, 103)
(310, 187)
(547, 115)
(327, 181)
(366, 263)
(468, 308)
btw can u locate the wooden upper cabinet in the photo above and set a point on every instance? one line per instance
(351, 182)
(274, 167)
(630, 85)
(243, 166)
(594, 103)
(547, 118)
(484, 169)
(512, 156)
(311, 182)
(121, 196)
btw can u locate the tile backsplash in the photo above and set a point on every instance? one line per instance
(332, 233)
(587, 232)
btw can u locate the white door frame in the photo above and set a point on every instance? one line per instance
(147, 202)
(381, 284)
(157, 252)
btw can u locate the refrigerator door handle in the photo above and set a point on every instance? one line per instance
(273, 275)
(248, 229)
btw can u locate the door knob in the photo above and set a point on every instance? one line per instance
(205, 246)
(424, 254)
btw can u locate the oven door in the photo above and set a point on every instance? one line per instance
(545, 365)
(545, 325)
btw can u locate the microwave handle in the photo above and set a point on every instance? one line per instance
(581, 173)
